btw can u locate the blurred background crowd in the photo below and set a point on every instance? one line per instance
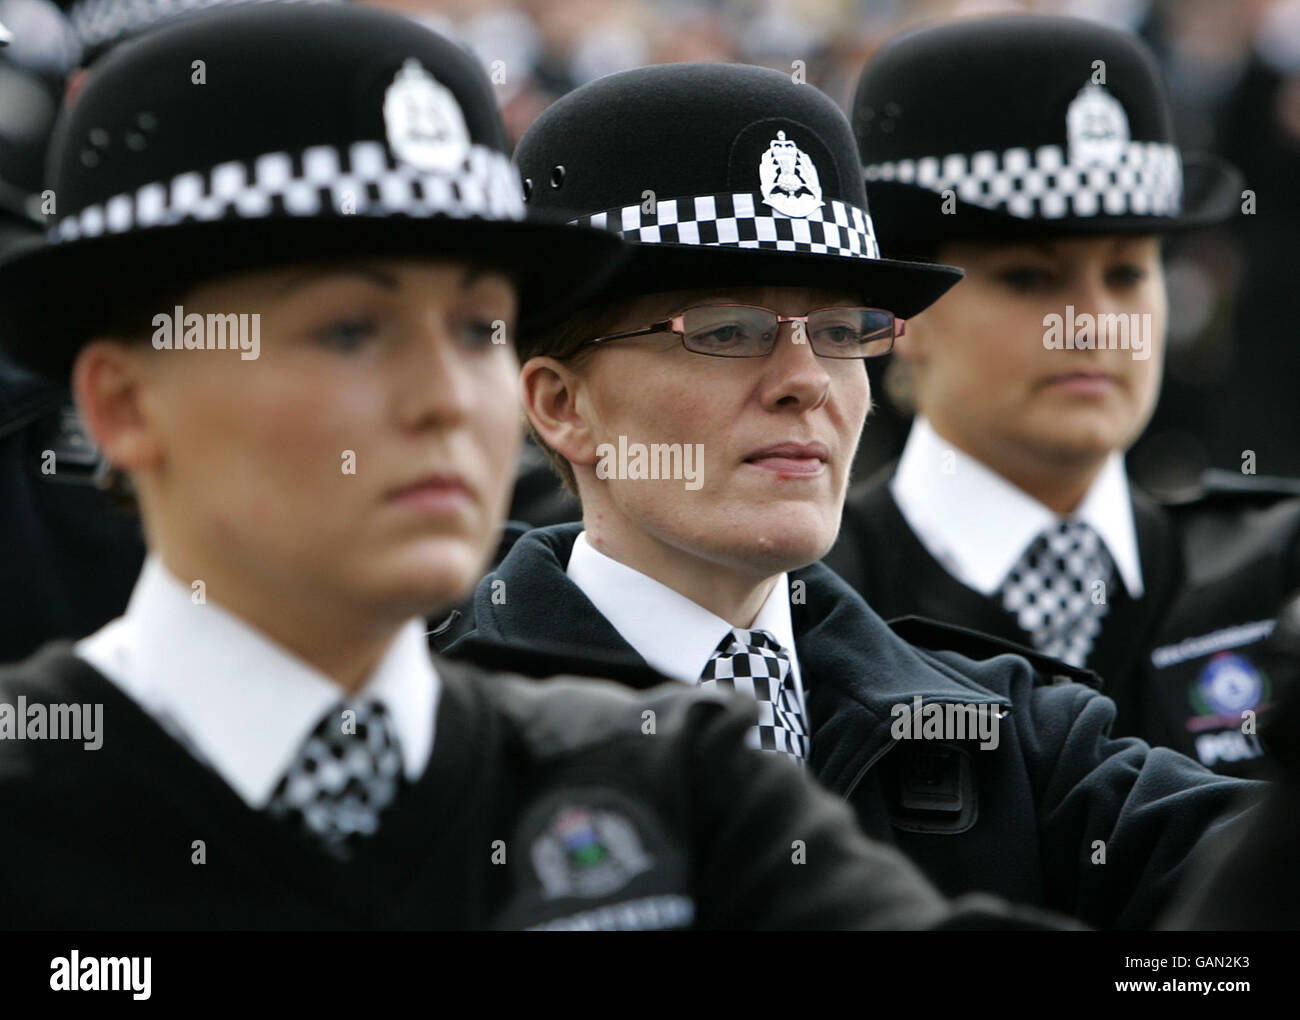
(1233, 70)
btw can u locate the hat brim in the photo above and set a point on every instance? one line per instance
(55, 297)
(907, 216)
(905, 288)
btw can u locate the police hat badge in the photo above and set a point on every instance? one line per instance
(424, 124)
(1097, 128)
(788, 179)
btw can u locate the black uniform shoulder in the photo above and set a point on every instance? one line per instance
(52, 672)
(1230, 522)
(936, 636)
(540, 660)
(570, 714)
(1216, 487)
(51, 676)
(451, 625)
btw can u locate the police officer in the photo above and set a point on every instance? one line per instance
(292, 282)
(706, 406)
(1041, 160)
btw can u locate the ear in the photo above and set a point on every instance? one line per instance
(107, 384)
(553, 401)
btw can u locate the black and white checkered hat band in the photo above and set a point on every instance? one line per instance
(97, 22)
(1145, 179)
(741, 220)
(362, 180)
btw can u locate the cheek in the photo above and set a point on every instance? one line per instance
(852, 398)
(980, 347)
(497, 422)
(314, 420)
(312, 427)
(646, 402)
(1149, 374)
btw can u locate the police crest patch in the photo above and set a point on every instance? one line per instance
(788, 180)
(588, 852)
(1096, 127)
(423, 121)
(1228, 685)
(594, 857)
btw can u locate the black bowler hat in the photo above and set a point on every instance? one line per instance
(1034, 126)
(721, 174)
(319, 132)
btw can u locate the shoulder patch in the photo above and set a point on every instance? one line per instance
(594, 857)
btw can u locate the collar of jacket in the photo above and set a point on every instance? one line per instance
(855, 669)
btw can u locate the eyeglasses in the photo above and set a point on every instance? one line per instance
(748, 331)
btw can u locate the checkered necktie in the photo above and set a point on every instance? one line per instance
(346, 773)
(754, 663)
(1049, 591)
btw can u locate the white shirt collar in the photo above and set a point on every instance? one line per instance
(242, 702)
(977, 524)
(673, 634)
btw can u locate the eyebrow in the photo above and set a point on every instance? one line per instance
(1045, 248)
(475, 273)
(471, 275)
(308, 276)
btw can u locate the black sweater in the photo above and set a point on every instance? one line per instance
(109, 838)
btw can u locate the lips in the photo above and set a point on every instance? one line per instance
(1088, 383)
(434, 493)
(791, 460)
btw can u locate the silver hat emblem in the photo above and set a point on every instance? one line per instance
(1096, 127)
(788, 179)
(423, 120)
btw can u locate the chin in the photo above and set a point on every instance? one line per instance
(1082, 435)
(789, 543)
(434, 576)
(1090, 440)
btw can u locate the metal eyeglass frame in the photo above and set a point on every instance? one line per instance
(676, 324)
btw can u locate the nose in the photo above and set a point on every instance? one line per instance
(1093, 295)
(794, 377)
(433, 377)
